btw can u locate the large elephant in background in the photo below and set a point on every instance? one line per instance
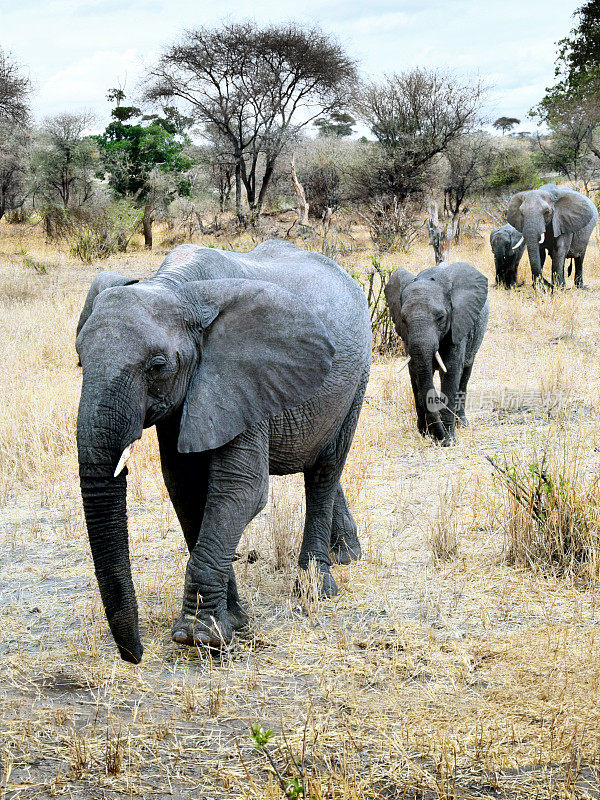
(441, 314)
(249, 365)
(556, 220)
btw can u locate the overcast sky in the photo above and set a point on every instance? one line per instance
(76, 50)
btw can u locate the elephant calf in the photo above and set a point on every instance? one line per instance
(249, 365)
(441, 315)
(508, 246)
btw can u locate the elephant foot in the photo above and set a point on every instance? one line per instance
(345, 546)
(326, 585)
(207, 628)
(238, 617)
(462, 422)
(346, 552)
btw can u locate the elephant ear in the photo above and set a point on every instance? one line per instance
(468, 293)
(394, 288)
(103, 280)
(572, 212)
(513, 212)
(262, 351)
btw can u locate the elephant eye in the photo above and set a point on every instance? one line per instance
(157, 363)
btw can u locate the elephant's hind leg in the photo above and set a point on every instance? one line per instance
(345, 546)
(579, 271)
(323, 490)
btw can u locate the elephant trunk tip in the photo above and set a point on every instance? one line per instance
(133, 654)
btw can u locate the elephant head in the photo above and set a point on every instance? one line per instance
(217, 355)
(548, 212)
(433, 313)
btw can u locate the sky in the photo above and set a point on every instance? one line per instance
(76, 50)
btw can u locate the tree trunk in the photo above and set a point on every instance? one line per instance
(303, 206)
(440, 235)
(147, 226)
(238, 191)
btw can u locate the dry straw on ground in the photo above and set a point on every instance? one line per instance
(443, 669)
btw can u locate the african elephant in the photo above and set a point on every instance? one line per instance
(249, 365)
(556, 220)
(508, 247)
(441, 315)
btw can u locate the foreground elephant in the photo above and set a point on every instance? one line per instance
(249, 365)
(508, 247)
(441, 316)
(556, 220)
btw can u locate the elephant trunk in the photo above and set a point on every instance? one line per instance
(108, 421)
(423, 361)
(532, 232)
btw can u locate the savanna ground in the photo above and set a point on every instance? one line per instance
(440, 671)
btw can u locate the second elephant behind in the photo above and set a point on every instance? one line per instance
(441, 314)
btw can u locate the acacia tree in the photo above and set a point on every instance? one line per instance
(505, 124)
(257, 87)
(14, 91)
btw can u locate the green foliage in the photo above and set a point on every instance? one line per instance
(338, 124)
(511, 168)
(550, 514)
(260, 737)
(132, 151)
(373, 282)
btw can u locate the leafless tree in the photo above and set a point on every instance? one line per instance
(470, 160)
(14, 91)
(415, 116)
(257, 87)
(63, 160)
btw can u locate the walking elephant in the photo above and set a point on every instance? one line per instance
(249, 365)
(441, 315)
(508, 247)
(556, 220)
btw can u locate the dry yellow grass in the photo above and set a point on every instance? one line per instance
(440, 670)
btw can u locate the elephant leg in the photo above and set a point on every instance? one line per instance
(345, 546)
(558, 265)
(186, 479)
(579, 271)
(238, 482)
(461, 397)
(450, 383)
(322, 482)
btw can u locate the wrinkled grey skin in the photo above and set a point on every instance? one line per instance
(249, 365)
(565, 217)
(443, 308)
(506, 258)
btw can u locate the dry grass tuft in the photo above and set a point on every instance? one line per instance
(550, 510)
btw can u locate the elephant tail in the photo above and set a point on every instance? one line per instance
(570, 268)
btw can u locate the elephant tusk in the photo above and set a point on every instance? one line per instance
(124, 459)
(519, 243)
(542, 238)
(438, 358)
(404, 364)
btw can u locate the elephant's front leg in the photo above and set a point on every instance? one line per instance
(238, 483)
(450, 382)
(558, 262)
